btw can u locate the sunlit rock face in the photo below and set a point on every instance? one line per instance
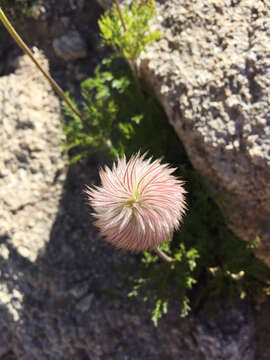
(211, 72)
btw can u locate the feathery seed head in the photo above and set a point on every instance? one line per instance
(139, 203)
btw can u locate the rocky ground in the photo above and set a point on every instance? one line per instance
(63, 291)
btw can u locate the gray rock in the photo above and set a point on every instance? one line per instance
(229, 336)
(105, 3)
(70, 46)
(30, 158)
(28, 126)
(211, 73)
(77, 3)
(85, 303)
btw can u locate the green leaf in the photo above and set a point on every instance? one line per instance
(185, 307)
(131, 42)
(160, 309)
(137, 118)
(103, 93)
(127, 130)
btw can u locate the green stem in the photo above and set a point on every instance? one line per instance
(26, 49)
(163, 255)
(135, 72)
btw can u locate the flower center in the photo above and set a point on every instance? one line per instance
(134, 199)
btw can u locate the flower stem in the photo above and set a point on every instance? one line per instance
(163, 255)
(120, 15)
(27, 51)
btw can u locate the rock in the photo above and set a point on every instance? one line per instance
(28, 126)
(85, 303)
(30, 158)
(65, 21)
(70, 46)
(229, 336)
(105, 3)
(80, 4)
(211, 73)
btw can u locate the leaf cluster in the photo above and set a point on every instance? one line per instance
(129, 42)
(100, 106)
(117, 115)
(156, 277)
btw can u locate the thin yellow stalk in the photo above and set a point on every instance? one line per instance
(121, 15)
(26, 49)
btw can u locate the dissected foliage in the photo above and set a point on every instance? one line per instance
(131, 42)
(113, 109)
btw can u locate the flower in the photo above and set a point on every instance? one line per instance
(139, 203)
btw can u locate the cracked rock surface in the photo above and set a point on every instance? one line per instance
(211, 72)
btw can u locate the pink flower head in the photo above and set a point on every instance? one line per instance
(139, 203)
